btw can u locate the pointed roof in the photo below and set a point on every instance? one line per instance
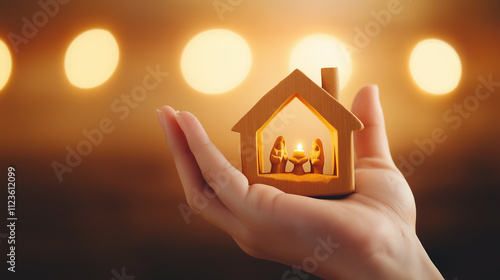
(297, 84)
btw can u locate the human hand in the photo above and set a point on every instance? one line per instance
(369, 234)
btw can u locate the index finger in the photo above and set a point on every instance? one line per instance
(230, 185)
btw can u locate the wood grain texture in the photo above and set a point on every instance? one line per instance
(330, 81)
(340, 121)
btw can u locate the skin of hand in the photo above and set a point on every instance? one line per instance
(373, 229)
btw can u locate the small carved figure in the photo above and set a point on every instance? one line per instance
(317, 157)
(278, 156)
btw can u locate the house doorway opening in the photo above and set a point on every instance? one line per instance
(298, 122)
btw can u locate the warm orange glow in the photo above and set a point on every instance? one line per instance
(5, 64)
(300, 124)
(435, 66)
(319, 51)
(91, 58)
(216, 61)
(298, 154)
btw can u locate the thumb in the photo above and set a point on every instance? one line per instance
(371, 142)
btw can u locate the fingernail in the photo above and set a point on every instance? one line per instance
(161, 118)
(376, 89)
(179, 119)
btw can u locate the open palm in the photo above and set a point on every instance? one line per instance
(367, 235)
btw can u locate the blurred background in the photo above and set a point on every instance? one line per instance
(97, 194)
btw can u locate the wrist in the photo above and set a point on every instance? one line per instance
(403, 257)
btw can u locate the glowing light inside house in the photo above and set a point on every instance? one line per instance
(91, 58)
(318, 51)
(216, 61)
(5, 64)
(435, 66)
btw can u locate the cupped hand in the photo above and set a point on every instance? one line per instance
(369, 234)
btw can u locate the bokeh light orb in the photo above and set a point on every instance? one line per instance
(5, 64)
(216, 61)
(435, 66)
(319, 51)
(91, 58)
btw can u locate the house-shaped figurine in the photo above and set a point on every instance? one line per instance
(324, 103)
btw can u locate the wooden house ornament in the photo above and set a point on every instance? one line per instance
(324, 103)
